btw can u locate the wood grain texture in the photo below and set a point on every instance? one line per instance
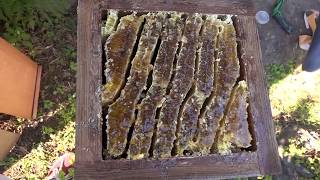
(210, 167)
(267, 147)
(89, 160)
(237, 7)
(88, 125)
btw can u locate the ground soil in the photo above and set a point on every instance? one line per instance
(278, 46)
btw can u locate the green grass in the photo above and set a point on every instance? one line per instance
(35, 165)
(297, 95)
(19, 17)
(277, 72)
(295, 101)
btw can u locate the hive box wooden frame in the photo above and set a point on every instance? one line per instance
(89, 160)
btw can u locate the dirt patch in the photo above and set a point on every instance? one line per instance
(278, 46)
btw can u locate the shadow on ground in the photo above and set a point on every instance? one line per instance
(292, 128)
(55, 50)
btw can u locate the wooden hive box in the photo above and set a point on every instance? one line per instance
(261, 160)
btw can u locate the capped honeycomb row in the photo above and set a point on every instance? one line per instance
(173, 86)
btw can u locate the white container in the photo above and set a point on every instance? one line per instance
(262, 17)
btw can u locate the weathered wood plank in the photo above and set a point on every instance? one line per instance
(238, 7)
(267, 148)
(210, 167)
(89, 161)
(88, 125)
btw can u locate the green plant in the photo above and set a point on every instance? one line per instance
(47, 130)
(301, 156)
(268, 177)
(47, 104)
(59, 90)
(70, 52)
(68, 115)
(73, 66)
(71, 172)
(19, 17)
(276, 72)
(35, 165)
(62, 175)
(295, 100)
